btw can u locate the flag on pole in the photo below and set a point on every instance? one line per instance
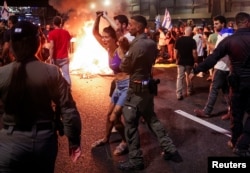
(5, 11)
(158, 21)
(167, 23)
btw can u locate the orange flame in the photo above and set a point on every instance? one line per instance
(89, 57)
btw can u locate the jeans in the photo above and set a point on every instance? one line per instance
(183, 71)
(63, 64)
(219, 81)
(120, 93)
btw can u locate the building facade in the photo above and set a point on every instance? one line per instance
(188, 9)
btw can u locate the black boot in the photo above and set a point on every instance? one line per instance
(128, 166)
(175, 156)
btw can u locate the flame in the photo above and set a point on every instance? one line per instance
(89, 57)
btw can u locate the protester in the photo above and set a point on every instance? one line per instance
(211, 41)
(237, 48)
(46, 30)
(186, 56)
(119, 24)
(6, 56)
(59, 40)
(108, 39)
(170, 42)
(138, 63)
(121, 27)
(220, 74)
(28, 139)
(197, 31)
(162, 45)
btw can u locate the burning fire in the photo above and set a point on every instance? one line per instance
(89, 57)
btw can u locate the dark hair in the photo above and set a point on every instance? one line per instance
(110, 31)
(24, 44)
(122, 19)
(4, 22)
(242, 17)
(24, 38)
(13, 19)
(140, 19)
(57, 20)
(220, 18)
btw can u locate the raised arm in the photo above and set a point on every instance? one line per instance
(112, 24)
(95, 31)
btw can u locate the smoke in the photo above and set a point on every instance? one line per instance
(80, 11)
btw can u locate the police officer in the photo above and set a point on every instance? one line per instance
(28, 139)
(237, 47)
(138, 63)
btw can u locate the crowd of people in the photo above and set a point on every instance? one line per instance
(33, 110)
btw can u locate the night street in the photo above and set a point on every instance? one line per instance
(92, 48)
(195, 138)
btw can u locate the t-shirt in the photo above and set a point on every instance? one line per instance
(223, 63)
(61, 39)
(185, 46)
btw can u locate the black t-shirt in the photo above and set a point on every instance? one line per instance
(6, 36)
(185, 46)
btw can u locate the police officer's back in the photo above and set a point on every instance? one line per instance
(28, 86)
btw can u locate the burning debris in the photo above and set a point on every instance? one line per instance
(88, 58)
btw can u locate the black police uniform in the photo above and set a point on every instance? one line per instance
(32, 144)
(237, 47)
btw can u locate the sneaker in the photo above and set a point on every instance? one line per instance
(128, 166)
(121, 149)
(225, 116)
(180, 98)
(209, 78)
(98, 143)
(201, 113)
(175, 156)
(190, 93)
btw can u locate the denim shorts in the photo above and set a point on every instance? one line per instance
(120, 93)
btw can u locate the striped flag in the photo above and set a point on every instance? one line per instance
(158, 21)
(166, 23)
(5, 11)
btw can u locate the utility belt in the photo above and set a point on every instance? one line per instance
(27, 128)
(145, 85)
(139, 86)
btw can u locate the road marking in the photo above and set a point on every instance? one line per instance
(205, 123)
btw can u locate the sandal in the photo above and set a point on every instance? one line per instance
(98, 143)
(122, 148)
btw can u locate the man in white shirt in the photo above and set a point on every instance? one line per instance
(220, 74)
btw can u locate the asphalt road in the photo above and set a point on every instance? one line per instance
(196, 139)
